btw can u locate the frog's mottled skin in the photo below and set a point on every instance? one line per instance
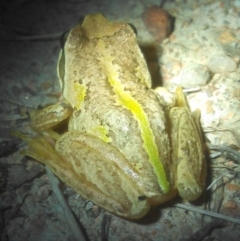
(126, 147)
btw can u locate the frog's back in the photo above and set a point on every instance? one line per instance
(118, 105)
(103, 115)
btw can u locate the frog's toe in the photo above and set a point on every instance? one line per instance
(189, 189)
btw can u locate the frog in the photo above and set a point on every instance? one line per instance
(111, 137)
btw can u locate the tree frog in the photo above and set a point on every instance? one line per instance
(126, 146)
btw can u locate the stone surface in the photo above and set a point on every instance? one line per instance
(222, 64)
(193, 75)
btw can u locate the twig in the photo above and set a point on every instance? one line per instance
(14, 102)
(224, 174)
(190, 90)
(208, 213)
(227, 152)
(105, 224)
(7, 118)
(73, 225)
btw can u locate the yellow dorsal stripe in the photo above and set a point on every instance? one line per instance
(126, 100)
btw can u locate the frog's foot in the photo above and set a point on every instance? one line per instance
(42, 149)
(187, 153)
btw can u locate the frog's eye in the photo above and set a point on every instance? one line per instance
(142, 198)
(133, 28)
(63, 39)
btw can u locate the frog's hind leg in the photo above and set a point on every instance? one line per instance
(188, 151)
(94, 169)
(41, 150)
(104, 168)
(181, 102)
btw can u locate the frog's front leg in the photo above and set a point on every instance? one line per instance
(42, 121)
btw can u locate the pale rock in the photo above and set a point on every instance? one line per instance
(193, 75)
(236, 3)
(222, 64)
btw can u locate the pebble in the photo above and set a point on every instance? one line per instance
(230, 204)
(40, 193)
(222, 64)
(24, 174)
(227, 37)
(89, 206)
(233, 187)
(193, 75)
(158, 22)
(186, 230)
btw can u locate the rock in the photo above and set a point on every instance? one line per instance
(193, 75)
(40, 193)
(231, 204)
(19, 174)
(89, 206)
(158, 22)
(222, 64)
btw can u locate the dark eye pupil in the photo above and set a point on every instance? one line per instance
(141, 198)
